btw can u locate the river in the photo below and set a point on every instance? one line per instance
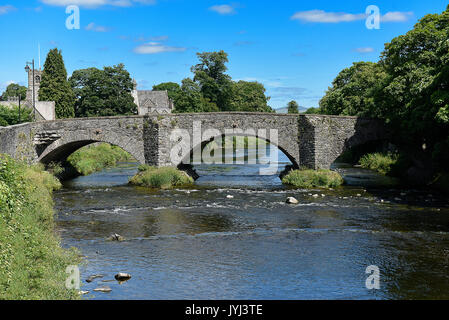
(199, 244)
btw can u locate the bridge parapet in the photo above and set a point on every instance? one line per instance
(313, 141)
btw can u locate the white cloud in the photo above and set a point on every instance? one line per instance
(93, 27)
(6, 9)
(156, 47)
(98, 3)
(396, 16)
(223, 9)
(321, 16)
(365, 50)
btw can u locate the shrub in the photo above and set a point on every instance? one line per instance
(380, 162)
(163, 178)
(32, 263)
(10, 116)
(313, 179)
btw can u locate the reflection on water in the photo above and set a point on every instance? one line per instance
(198, 244)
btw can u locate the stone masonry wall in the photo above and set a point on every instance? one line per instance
(311, 141)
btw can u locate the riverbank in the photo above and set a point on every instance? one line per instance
(94, 158)
(32, 262)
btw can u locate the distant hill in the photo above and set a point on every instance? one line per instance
(285, 110)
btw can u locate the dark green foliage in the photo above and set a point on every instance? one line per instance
(104, 92)
(212, 90)
(10, 116)
(14, 90)
(293, 107)
(408, 88)
(55, 87)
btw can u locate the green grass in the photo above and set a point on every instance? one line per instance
(161, 178)
(32, 263)
(313, 179)
(384, 163)
(90, 159)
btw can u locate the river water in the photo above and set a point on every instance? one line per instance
(198, 244)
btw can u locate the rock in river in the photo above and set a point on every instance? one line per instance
(103, 289)
(116, 237)
(121, 276)
(292, 200)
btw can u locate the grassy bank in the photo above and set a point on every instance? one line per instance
(163, 178)
(97, 157)
(313, 179)
(32, 263)
(389, 164)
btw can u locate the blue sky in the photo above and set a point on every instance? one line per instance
(295, 48)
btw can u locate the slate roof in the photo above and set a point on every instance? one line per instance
(149, 99)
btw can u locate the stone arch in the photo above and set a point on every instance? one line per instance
(61, 149)
(186, 160)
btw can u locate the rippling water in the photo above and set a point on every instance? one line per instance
(198, 244)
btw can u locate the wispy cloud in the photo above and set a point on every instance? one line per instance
(93, 27)
(321, 16)
(156, 47)
(243, 43)
(364, 50)
(6, 9)
(396, 16)
(223, 9)
(98, 3)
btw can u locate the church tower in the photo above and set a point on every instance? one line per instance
(37, 84)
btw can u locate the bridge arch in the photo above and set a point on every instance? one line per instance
(188, 159)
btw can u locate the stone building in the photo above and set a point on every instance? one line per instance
(45, 110)
(152, 102)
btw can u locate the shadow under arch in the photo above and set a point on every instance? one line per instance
(188, 161)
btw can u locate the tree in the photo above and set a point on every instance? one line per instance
(104, 92)
(191, 99)
(249, 96)
(10, 115)
(13, 90)
(210, 74)
(354, 91)
(293, 107)
(55, 87)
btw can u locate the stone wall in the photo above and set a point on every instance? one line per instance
(308, 140)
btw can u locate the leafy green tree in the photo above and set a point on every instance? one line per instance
(216, 86)
(312, 111)
(191, 99)
(104, 92)
(55, 87)
(249, 96)
(293, 107)
(13, 90)
(354, 91)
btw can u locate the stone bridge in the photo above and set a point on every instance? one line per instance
(312, 141)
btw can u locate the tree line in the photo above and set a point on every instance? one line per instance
(94, 92)
(408, 87)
